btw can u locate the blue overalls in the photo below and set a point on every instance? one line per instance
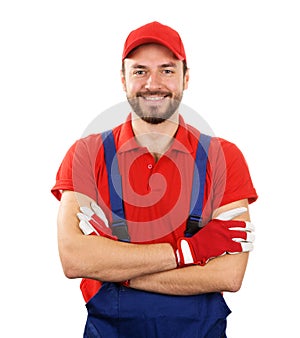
(117, 311)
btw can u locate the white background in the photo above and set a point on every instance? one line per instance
(59, 69)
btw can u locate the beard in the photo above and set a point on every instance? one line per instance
(151, 112)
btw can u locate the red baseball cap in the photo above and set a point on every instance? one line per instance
(155, 32)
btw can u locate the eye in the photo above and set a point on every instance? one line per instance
(139, 72)
(168, 71)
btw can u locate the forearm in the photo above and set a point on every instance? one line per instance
(101, 258)
(220, 274)
(107, 260)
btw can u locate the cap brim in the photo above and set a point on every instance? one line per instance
(150, 39)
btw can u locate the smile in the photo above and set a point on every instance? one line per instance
(154, 98)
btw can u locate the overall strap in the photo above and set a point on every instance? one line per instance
(119, 225)
(194, 222)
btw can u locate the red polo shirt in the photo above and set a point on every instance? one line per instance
(156, 195)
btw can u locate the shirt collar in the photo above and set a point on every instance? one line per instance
(183, 137)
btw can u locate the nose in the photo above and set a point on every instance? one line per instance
(153, 82)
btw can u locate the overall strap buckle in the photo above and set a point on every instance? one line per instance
(119, 229)
(194, 222)
(193, 225)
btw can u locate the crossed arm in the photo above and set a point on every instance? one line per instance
(150, 267)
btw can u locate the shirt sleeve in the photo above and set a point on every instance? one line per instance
(77, 170)
(231, 176)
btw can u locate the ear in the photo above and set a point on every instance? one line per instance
(123, 80)
(186, 79)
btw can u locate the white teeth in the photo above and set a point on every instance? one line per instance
(153, 98)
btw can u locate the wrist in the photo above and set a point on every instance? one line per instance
(186, 254)
(175, 256)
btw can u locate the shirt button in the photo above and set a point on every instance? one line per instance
(150, 166)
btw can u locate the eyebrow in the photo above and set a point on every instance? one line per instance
(167, 65)
(164, 65)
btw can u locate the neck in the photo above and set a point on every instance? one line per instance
(156, 137)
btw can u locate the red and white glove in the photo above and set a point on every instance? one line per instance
(94, 222)
(218, 237)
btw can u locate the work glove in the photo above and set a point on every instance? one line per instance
(93, 222)
(219, 236)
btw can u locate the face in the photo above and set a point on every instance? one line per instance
(153, 80)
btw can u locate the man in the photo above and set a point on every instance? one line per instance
(150, 271)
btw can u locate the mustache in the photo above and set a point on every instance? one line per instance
(153, 93)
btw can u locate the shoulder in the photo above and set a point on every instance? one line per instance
(225, 157)
(220, 146)
(217, 144)
(94, 141)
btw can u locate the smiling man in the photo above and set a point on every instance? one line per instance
(154, 81)
(166, 205)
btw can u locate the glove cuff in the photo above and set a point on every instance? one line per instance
(186, 254)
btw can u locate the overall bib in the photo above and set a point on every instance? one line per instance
(117, 311)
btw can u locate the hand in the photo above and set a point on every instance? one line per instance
(218, 237)
(94, 222)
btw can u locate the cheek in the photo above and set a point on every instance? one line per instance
(132, 87)
(175, 87)
(176, 84)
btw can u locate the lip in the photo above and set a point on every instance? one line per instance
(154, 98)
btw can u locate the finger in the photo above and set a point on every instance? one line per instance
(250, 237)
(245, 226)
(91, 216)
(238, 235)
(87, 228)
(87, 211)
(235, 247)
(242, 247)
(250, 226)
(247, 246)
(83, 217)
(231, 214)
(99, 212)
